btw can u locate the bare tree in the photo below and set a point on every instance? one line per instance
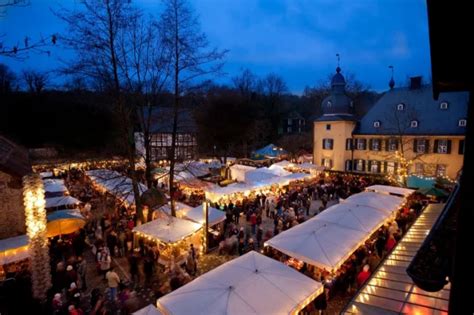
(246, 83)
(97, 33)
(35, 81)
(8, 79)
(20, 51)
(190, 59)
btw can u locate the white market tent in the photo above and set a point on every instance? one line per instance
(357, 217)
(14, 249)
(281, 164)
(250, 284)
(317, 242)
(390, 190)
(46, 174)
(61, 201)
(258, 175)
(169, 230)
(116, 184)
(54, 185)
(385, 202)
(180, 208)
(237, 172)
(148, 310)
(215, 216)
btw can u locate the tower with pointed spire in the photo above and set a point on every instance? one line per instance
(333, 129)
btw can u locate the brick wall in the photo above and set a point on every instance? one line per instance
(12, 213)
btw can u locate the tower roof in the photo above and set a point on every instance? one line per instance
(337, 103)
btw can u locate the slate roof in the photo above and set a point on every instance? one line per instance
(162, 120)
(14, 159)
(420, 106)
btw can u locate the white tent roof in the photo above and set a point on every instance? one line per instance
(169, 230)
(390, 190)
(116, 184)
(238, 171)
(258, 175)
(357, 217)
(61, 201)
(148, 310)
(214, 215)
(250, 284)
(179, 207)
(46, 174)
(54, 185)
(318, 243)
(14, 249)
(384, 202)
(281, 164)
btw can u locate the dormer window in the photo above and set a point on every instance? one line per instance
(401, 106)
(462, 123)
(414, 124)
(377, 124)
(329, 103)
(443, 105)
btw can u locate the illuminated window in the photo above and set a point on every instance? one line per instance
(462, 122)
(401, 106)
(443, 105)
(376, 124)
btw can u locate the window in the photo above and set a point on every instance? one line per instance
(361, 144)
(375, 167)
(401, 106)
(348, 144)
(348, 165)
(421, 146)
(390, 167)
(329, 104)
(360, 165)
(462, 122)
(443, 146)
(461, 147)
(376, 124)
(443, 105)
(328, 144)
(290, 121)
(327, 163)
(414, 124)
(392, 144)
(375, 145)
(440, 170)
(419, 168)
(288, 130)
(328, 127)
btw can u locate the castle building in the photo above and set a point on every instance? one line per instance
(405, 128)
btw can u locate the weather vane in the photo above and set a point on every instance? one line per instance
(391, 67)
(338, 59)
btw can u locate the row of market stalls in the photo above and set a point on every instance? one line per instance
(329, 239)
(63, 217)
(256, 284)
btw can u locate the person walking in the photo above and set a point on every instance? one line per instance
(113, 281)
(81, 271)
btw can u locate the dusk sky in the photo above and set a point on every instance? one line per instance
(297, 39)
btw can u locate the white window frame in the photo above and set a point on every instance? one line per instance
(360, 144)
(374, 146)
(414, 124)
(443, 105)
(440, 170)
(462, 123)
(376, 124)
(419, 168)
(374, 167)
(420, 146)
(360, 165)
(390, 168)
(401, 106)
(442, 146)
(326, 144)
(392, 144)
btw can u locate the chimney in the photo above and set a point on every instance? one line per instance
(415, 83)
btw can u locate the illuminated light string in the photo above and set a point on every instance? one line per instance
(35, 215)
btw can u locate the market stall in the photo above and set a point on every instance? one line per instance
(393, 190)
(116, 184)
(250, 284)
(172, 235)
(62, 201)
(63, 222)
(54, 185)
(196, 214)
(389, 203)
(238, 171)
(13, 249)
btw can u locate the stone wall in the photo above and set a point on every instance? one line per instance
(12, 213)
